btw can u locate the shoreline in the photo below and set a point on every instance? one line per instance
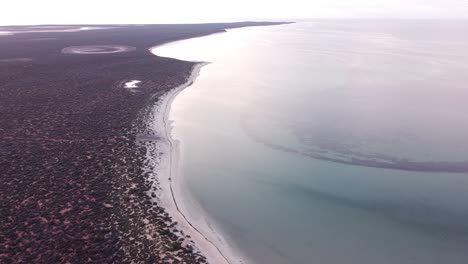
(204, 238)
(75, 182)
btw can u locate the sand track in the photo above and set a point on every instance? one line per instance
(13, 60)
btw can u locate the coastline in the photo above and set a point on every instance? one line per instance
(204, 238)
(205, 235)
(97, 168)
(75, 182)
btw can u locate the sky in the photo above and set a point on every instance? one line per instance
(27, 12)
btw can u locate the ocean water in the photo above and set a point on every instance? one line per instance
(329, 141)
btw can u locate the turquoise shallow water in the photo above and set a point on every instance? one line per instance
(330, 141)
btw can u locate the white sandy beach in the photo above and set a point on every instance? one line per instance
(173, 196)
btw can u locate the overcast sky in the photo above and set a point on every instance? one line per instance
(170, 11)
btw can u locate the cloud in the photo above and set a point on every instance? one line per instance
(158, 11)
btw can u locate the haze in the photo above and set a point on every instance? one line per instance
(23, 12)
